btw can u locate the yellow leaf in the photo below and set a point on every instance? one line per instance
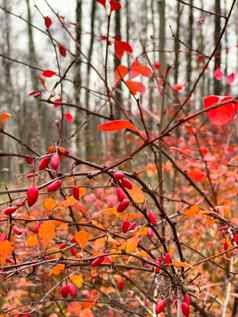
(131, 245)
(137, 194)
(77, 280)
(47, 233)
(31, 241)
(56, 270)
(69, 202)
(82, 237)
(4, 116)
(49, 203)
(193, 211)
(5, 250)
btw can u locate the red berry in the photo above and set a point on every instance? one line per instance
(160, 306)
(187, 299)
(29, 160)
(62, 245)
(119, 175)
(76, 192)
(123, 205)
(55, 162)
(152, 218)
(54, 185)
(125, 226)
(48, 22)
(62, 50)
(32, 195)
(20, 203)
(126, 183)
(98, 261)
(73, 251)
(72, 289)
(185, 309)
(64, 291)
(44, 162)
(36, 228)
(167, 259)
(9, 210)
(18, 231)
(120, 194)
(121, 284)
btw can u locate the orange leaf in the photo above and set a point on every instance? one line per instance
(4, 116)
(69, 201)
(82, 237)
(47, 232)
(131, 245)
(31, 241)
(135, 87)
(116, 125)
(137, 194)
(193, 211)
(5, 250)
(56, 270)
(86, 313)
(49, 203)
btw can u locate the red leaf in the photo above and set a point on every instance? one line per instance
(121, 47)
(218, 74)
(48, 73)
(116, 125)
(48, 22)
(62, 50)
(230, 78)
(139, 69)
(196, 174)
(115, 5)
(135, 87)
(221, 115)
(102, 2)
(120, 72)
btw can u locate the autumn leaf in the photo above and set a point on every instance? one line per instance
(116, 125)
(82, 237)
(135, 87)
(120, 72)
(49, 203)
(139, 69)
(121, 48)
(131, 245)
(136, 194)
(47, 233)
(196, 174)
(6, 249)
(192, 212)
(222, 115)
(56, 270)
(69, 202)
(31, 241)
(77, 279)
(86, 313)
(4, 117)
